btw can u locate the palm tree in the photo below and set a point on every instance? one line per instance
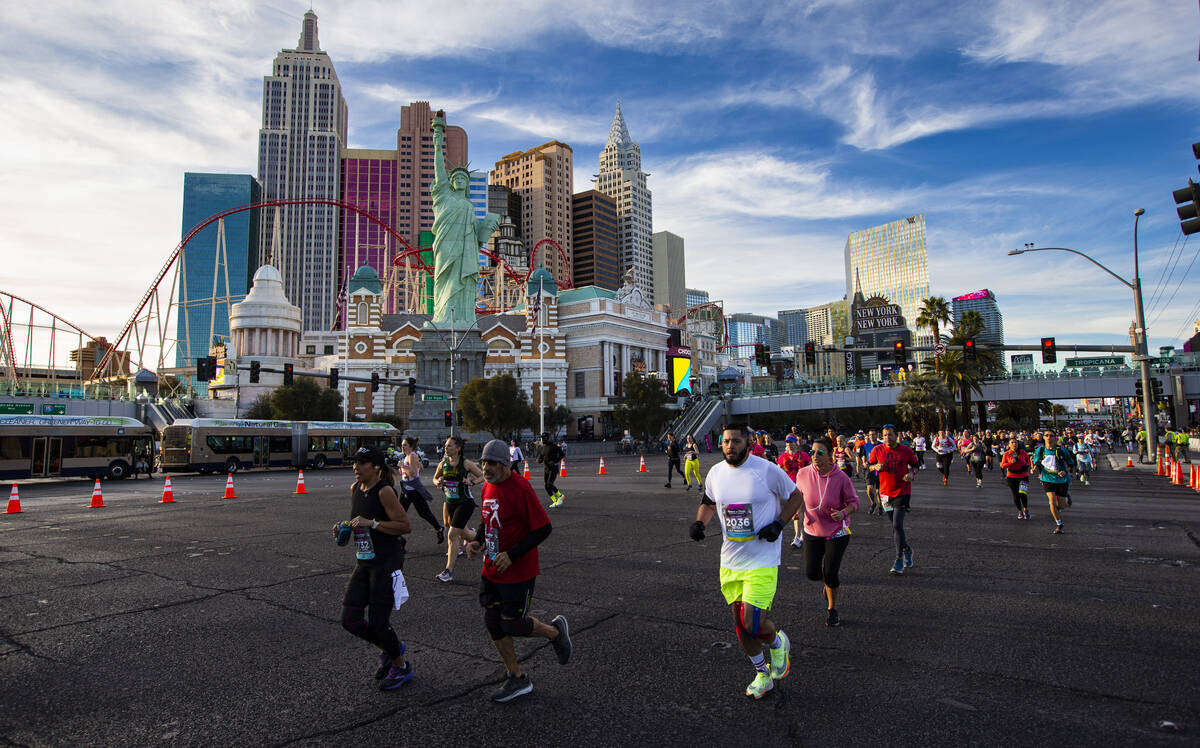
(934, 312)
(922, 401)
(1054, 410)
(961, 377)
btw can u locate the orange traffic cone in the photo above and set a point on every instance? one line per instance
(642, 466)
(300, 483)
(562, 469)
(526, 474)
(602, 471)
(1160, 469)
(14, 501)
(1196, 477)
(229, 488)
(1129, 461)
(1176, 473)
(97, 497)
(168, 496)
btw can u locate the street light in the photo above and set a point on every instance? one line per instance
(453, 349)
(1143, 339)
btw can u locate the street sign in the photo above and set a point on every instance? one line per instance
(1098, 361)
(430, 397)
(940, 349)
(16, 409)
(53, 410)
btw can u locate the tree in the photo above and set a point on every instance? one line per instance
(305, 400)
(1016, 414)
(262, 409)
(558, 418)
(922, 400)
(934, 312)
(1054, 410)
(642, 410)
(497, 405)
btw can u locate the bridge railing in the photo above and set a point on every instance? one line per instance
(63, 390)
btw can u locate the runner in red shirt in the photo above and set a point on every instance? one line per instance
(514, 523)
(791, 461)
(896, 466)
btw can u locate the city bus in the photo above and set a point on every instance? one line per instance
(72, 446)
(229, 445)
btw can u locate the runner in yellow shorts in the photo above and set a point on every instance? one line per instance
(752, 498)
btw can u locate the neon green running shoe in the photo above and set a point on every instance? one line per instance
(762, 683)
(781, 660)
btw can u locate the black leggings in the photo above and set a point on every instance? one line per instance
(1020, 500)
(978, 468)
(370, 590)
(673, 462)
(944, 461)
(550, 476)
(413, 493)
(823, 558)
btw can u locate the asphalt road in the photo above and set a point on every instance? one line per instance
(214, 621)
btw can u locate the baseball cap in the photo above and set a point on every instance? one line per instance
(495, 451)
(369, 454)
(790, 438)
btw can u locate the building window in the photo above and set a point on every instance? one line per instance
(328, 350)
(312, 349)
(580, 384)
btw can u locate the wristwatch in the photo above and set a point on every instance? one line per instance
(374, 524)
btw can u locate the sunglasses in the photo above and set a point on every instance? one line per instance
(820, 452)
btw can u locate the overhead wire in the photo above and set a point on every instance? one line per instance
(1178, 285)
(1164, 278)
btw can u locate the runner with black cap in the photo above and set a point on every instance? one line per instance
(376, 525)
(514, 523)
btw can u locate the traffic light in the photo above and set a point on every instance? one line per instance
(762, 356)
(1156, 386)
(1049, 352)
(969, 350)
(333, 378)
(1138, 390)
(255, 372)
(1188, 200)
(289, 376)
(459, 414)
(412, 386)
(901, 353)
(447, 416)
(374, 382)
(206, 368)
(810, 354)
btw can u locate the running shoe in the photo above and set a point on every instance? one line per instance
(441, 535)
(781, 658)
(666, 485)
(762, 683)
(898, 567)
(833, 619)
(1057, 529)
(396, 677)
(1020, 515)
(908, 555)
(1068, 501)
(445, 576)
(798, 541)
(979, 484)
(513, 687)
(687, 486)
(385, 663)
(871, 510)
(944, 481)
(562, 642)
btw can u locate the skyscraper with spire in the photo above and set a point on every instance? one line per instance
(621, 178)
(304, 121)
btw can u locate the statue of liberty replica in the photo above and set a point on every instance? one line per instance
(457, 238)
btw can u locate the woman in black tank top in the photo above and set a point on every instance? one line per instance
(377, 523)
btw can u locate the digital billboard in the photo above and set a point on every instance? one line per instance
(681, 374)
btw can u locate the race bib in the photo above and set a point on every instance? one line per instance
(450, 488)
(491, 542)
(739, 522)
(1050, 463)
(842, 532)
(1023, 487)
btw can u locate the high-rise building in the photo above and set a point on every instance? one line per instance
(891, 261)
(827, 326)
(199, 321)
(747, 329)
(985, 303)
(621, 178)
(694, 297)
(595, 262)
(542, 178)
(669, 271)
(415, 159)
(795, 327)
(303, 132)
(368, 183)
(503, 201)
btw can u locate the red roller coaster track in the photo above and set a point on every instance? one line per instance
(410, 256)
(4, 315)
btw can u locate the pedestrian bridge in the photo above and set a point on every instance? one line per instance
(1067, 385)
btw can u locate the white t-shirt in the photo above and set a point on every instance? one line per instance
(919, 444)
(748, 498)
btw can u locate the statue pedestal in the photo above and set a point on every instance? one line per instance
(427, 420)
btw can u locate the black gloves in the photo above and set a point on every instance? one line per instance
(697, 531)
(770, 533)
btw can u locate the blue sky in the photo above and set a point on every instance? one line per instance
(771, 131)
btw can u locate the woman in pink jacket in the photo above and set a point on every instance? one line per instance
(829, 500)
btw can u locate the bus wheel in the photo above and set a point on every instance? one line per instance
(232, 465)
(319, 463)
(117, 470)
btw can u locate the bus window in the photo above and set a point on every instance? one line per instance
(281, 444)
(101, 446)
(316, 444)
(12, 448)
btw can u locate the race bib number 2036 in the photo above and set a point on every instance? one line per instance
(739, 522)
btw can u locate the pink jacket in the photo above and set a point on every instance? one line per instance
(823, 494)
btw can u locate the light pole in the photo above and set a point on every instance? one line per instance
(1143, 339)
(453, 349)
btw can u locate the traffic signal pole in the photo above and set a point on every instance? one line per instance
(1150, 419)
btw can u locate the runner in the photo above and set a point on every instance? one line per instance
(513, 524)
(791, 461)
(919, 445)
(829, 500)
(1053, 465)
(454, 476)
(746, 494)
(551, 456)
(412, 491)
(515, 456)
(872, 477)
(1084, 461)
(943, 447)
(895, 464)
(974, 454)
(1015, 463)
(672, 451)
(377, 524)
(842, 457)
(691, 464)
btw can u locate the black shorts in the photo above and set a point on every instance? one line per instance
(1058, 489)
(460, 513)
(873, 479)
(512, 599)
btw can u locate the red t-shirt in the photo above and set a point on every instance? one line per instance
(791, 463)
(510, 511)
(895, 461)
